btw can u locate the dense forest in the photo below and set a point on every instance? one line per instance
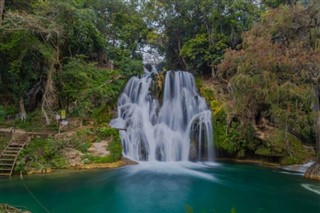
(256, 62)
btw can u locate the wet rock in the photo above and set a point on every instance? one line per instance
(313, 172)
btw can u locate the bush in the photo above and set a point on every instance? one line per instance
(114, 146)
(41, 153)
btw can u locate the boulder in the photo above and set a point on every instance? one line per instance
(313, 172)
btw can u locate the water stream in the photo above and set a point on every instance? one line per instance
(177, 128)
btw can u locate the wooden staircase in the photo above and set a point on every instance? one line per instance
(10, 154)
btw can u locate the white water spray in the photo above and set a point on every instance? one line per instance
(178, 130)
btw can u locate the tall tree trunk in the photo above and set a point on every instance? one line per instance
(182, 60)
(1, 10)
(48, 97)
(23, 114)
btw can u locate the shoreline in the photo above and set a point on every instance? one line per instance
(88, 167)
(128, 162)
(250, 161)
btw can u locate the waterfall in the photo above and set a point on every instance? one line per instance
(178, 128)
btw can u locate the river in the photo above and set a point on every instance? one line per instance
(166, 187)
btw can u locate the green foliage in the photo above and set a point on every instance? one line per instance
(102, 114)
(41, 153)
(196, 33)
(115, 150)
(81, 140)
(2, 113)
(227, 134)
(277, 3)
(114, 146)
(287, 147)
(4, 140)
(66, 41)
(264, 87)
(86, 87)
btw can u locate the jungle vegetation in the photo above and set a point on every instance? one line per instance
(257, 63)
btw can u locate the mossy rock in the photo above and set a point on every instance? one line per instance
(313, 172)
(264, 151)
(291, 151)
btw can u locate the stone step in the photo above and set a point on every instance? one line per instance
(9, 148)
(6, 159)
(15, 145)
(15, 152)
(6, 164)
(5, 169)
(9, 155)
(5, 173)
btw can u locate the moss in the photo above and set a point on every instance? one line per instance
(298, 154)
(290, 152)
(264, 151)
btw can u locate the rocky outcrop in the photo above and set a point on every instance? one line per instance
(99, 148)
(74, 157)
(313, 172)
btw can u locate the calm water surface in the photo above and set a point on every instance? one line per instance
(166, 187)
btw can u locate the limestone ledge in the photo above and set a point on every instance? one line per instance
(113, 165)
(103, 165)
(39, 171)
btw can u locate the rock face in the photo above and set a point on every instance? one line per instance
(73, 156)
(313, 172)
(99, 148)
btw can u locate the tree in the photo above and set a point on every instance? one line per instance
(38, 38)
(195, 34)
(281, 53)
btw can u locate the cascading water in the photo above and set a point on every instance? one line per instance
(179, 129)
